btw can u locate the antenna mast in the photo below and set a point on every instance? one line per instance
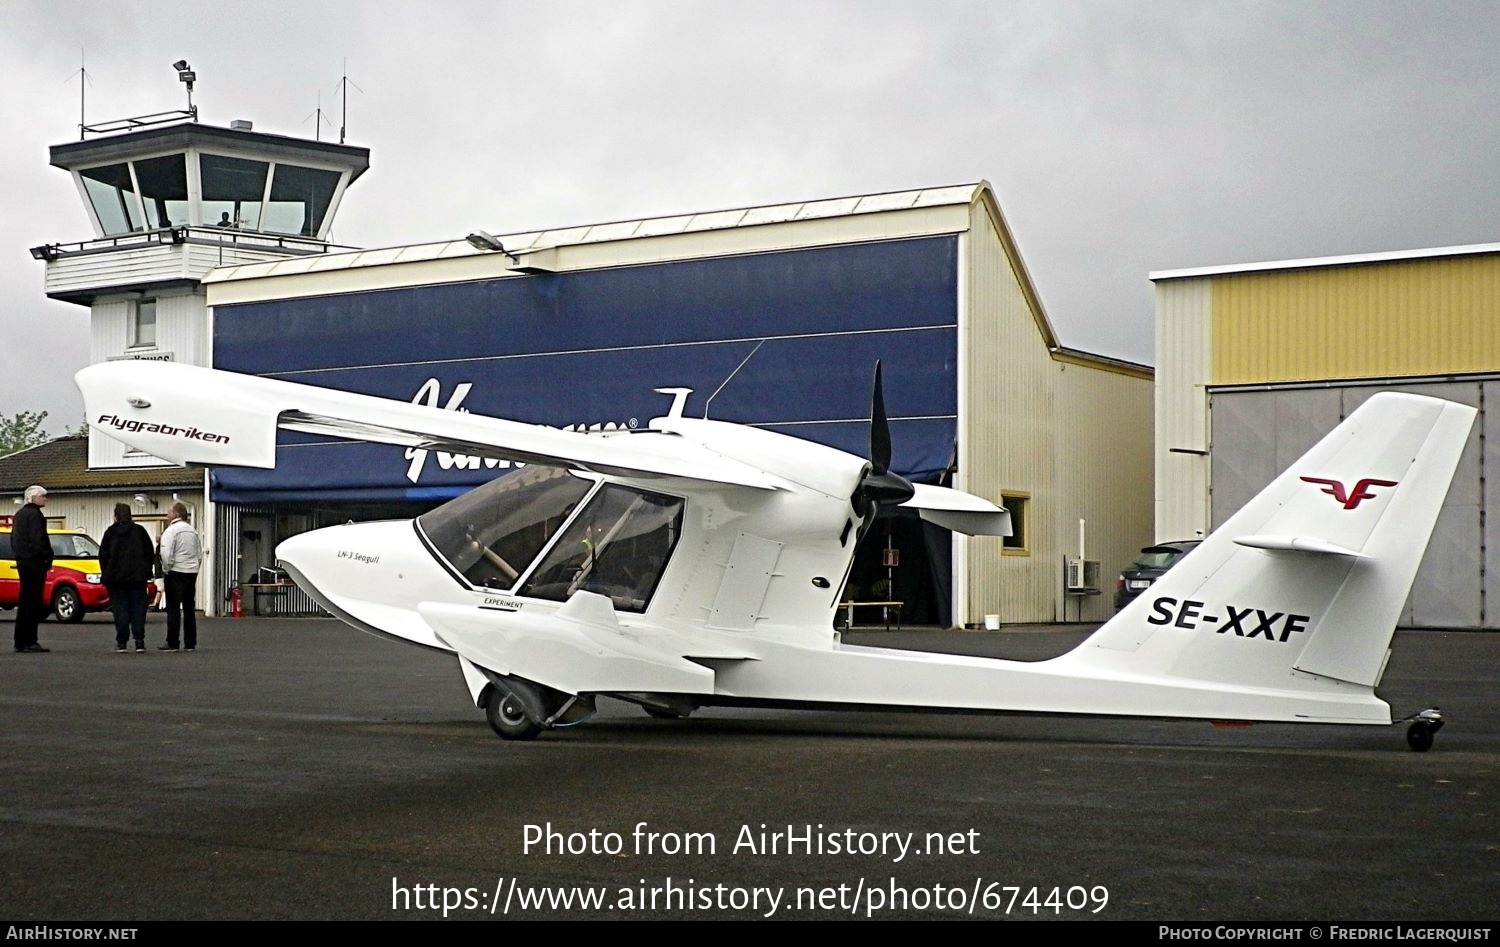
(318, 124)
(83, 82)
(343, 87)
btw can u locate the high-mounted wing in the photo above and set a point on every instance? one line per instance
(199, 416)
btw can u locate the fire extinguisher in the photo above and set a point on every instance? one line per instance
(236, 601)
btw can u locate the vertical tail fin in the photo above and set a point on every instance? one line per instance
(1300, 591)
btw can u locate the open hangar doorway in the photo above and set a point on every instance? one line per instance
(906, 560)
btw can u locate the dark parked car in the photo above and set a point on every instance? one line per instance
(1148, 567)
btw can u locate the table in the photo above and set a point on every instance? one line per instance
(257, 589)
(885, 608)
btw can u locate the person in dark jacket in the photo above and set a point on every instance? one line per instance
(125, 559)
(33, 552)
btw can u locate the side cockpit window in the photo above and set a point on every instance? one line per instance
(617, 546)
(493, 532)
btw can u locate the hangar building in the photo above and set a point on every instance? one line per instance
(1256, 362)
(774, 316)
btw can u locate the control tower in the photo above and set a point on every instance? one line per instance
(169, 199)
(167, 203)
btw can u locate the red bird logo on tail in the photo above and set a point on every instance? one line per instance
(1350, 499)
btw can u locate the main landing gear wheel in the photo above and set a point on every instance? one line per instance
(507, 717)
(1424, 727)
(1419, 737)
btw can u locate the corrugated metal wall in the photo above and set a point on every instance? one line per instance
(1007, 424)
(1182, 361)
(1076, 439)
(226, 533)
(1259, 433)
(1103, 431)
(1408, 318)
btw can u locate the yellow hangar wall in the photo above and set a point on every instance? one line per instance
(1373, 320)
(1069, 432)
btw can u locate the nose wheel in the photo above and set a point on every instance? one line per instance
(1424, 726)
(518, 709)
(507, 717)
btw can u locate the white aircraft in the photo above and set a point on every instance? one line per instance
(697, 563)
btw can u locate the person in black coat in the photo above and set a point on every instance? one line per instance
(125, 559)
(33, 552)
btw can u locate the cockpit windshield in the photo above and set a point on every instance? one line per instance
(617, 545)
(492, 533)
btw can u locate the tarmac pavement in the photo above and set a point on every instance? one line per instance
(300, 769)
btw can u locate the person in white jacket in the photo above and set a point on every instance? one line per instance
(181, 556)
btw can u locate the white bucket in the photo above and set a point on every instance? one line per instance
(992, 623)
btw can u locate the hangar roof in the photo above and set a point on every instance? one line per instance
(1352, 259)
(534, 240)
(857, 218)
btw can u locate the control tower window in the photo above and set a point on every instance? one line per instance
(299, 199)
(113, 195)
(163, 183)
(233, 191)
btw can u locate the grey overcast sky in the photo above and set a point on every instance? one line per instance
(1121, 137)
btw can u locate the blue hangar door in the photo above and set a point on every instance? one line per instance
(588, 348)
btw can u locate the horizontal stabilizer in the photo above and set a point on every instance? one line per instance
(1299, 544)
(959, 511)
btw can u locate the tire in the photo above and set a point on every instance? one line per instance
(1419, 737)
(506, 717)
(67, 605)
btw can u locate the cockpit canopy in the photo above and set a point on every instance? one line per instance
(546, 533)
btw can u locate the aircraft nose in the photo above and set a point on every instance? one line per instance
(372, 575)
(303, 549)
(351, 553)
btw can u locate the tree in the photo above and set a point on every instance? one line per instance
(21, 431)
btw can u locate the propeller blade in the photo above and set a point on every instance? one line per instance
(880, 427)
(879, 485)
